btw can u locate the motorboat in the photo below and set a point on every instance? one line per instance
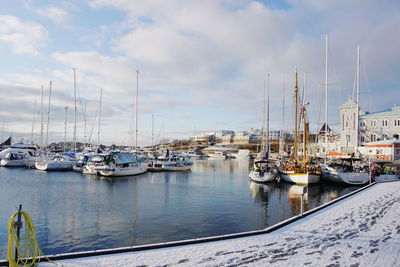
(217, 155)
(93, 163)
(14, 159)
(55, 163)
(18, 147)
(156, 164)
(81, 162)
(178, 163)
(119, 163)
(195, 154)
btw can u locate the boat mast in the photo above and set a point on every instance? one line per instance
(358, 93)
(98, 131)
(48, 116)
(295, 106)
(131, 127)
(268, 118)
(74, 136)
(65, 128)
(305, 134)
(326, 97)
(281, 150)
(33, 121)
(152, 131)
(84, 130)
(263, 149)
(137, 110)
(41, 120)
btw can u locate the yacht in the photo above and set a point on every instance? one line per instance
(218, 155)
(121, 164)
(18, 147)
(94, 162)
(178, 163)
(14, 159)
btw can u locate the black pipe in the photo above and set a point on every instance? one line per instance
(18, 225)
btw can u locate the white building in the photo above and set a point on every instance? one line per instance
(357, 131)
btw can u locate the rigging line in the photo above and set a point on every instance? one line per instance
(319, 113)
(94, 123)
(370, 103)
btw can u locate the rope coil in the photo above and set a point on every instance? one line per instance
(27, 251)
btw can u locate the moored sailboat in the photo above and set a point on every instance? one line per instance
(264, 169)
(300, 169)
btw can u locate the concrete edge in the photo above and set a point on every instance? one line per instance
(270, 229)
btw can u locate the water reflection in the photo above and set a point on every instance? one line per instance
(74, 212)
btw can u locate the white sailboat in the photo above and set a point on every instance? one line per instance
(56, 163)
(264, 169)
(343, 172)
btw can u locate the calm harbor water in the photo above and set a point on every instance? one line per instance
(73, 212)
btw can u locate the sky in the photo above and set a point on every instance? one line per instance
(202, 65)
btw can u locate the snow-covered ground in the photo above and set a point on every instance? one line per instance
(362, 230)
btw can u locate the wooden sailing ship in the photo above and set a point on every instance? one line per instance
(299, 169)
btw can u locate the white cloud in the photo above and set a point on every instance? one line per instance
(23, 37)
(57, 15)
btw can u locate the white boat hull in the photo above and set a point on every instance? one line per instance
(176, 168)
(89, 169)
(264, 178)
(352, 178)
(124, 171)
(300, 178)
(53, 166)
(12, 163)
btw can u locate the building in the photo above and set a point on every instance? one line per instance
(357, 131)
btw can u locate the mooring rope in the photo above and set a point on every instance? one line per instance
(23, 250)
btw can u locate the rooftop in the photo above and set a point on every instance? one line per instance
(393, 111)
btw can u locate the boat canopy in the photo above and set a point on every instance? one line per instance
(124, 157)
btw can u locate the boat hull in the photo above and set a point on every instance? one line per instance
(53, 166)
(176, 168)
(351, 178)
(300, 178)
(124, 171)
(12, 163)
(264, 178)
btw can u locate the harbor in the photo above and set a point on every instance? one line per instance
(359, 230)
(73, 212)
(199, 133)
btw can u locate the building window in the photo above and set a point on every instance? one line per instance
(348, 137)
(385, 136)
(374, 123)
(384, 123)
(342, 122)
(373, 137)
(396, 122)
(396, 136)
(362, 139)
